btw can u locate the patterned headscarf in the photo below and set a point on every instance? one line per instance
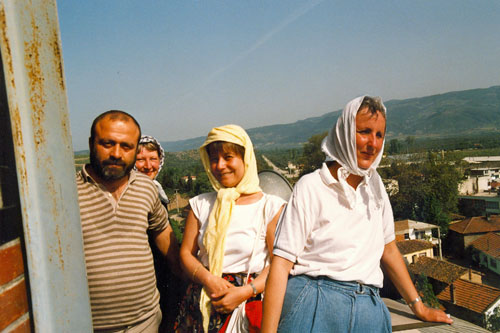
(340, 146)
(146, 139)
(220, 216)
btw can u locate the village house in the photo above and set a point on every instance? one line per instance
(483, 203)
(442, 272)
(409, 230)
(487, 251)
(458, 289)
(479, 180)
(186, 178)
(461, 234)
(479, 191)
(470, 301)
(293, 170)
(412, 249)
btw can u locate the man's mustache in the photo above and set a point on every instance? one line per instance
(113, 162)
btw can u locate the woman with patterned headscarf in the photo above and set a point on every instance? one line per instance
(150, 158)
(336, 233)
(220, 232)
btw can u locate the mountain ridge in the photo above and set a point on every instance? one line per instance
(472, 111)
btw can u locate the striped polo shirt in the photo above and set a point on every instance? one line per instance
(119, 262)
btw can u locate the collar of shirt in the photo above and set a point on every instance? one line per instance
(328, 179)
(88, 178)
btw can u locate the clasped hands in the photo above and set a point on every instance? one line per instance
(224, 296)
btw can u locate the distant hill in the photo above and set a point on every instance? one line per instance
(456, 113)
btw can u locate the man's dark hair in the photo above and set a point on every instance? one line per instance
(113, 115)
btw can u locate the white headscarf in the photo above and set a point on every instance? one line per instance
(340, 146)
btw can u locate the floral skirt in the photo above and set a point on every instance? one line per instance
(190, 319)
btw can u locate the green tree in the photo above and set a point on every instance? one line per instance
(394, 147)
(424, 288)
(493, 321)
(410, 141)
(202, 184)
(312, 156)
(428, 191)
(433, 212)
(189, 184)
(167, 178)
(407, 203)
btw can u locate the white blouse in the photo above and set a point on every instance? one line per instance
(243, 229)
(324, 237)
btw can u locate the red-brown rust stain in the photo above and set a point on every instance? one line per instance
(7, 51)
(66, 131)
(36, 84)
(53, 201)
(51, 191)
(17, 136)
(59, 248)
(58, 63)
(56, 48)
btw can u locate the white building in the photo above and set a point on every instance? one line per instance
(409, 229)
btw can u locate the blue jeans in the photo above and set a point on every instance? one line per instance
(324, 305)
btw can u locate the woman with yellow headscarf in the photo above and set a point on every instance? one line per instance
(220, 232)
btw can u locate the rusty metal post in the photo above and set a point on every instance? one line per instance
(33, 69)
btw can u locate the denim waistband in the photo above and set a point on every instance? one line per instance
(358, 288)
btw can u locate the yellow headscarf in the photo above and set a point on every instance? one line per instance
(218, 221)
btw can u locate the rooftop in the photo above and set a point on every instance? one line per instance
(479, 195)
(484, 169)
(403, 320)
(477, 224)
(404, 225)
(473, 296)
(413, 245)
(489, 244)
(437, 269)
(479, 159)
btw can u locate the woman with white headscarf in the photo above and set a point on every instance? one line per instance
(221, 230)
(337, 230)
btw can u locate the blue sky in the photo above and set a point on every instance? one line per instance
(183, 67)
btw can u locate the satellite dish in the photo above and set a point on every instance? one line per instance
(272, 182)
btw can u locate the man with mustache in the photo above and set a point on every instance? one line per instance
(118, 207)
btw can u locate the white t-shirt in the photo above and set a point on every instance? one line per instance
(323, 237)
(243, 228)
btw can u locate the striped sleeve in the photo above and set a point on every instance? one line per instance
(119, 262)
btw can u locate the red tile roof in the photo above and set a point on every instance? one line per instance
(489, 244)
(473, 296)
(494, 184)
(437, 269)
(413, 245)
(477, 224)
